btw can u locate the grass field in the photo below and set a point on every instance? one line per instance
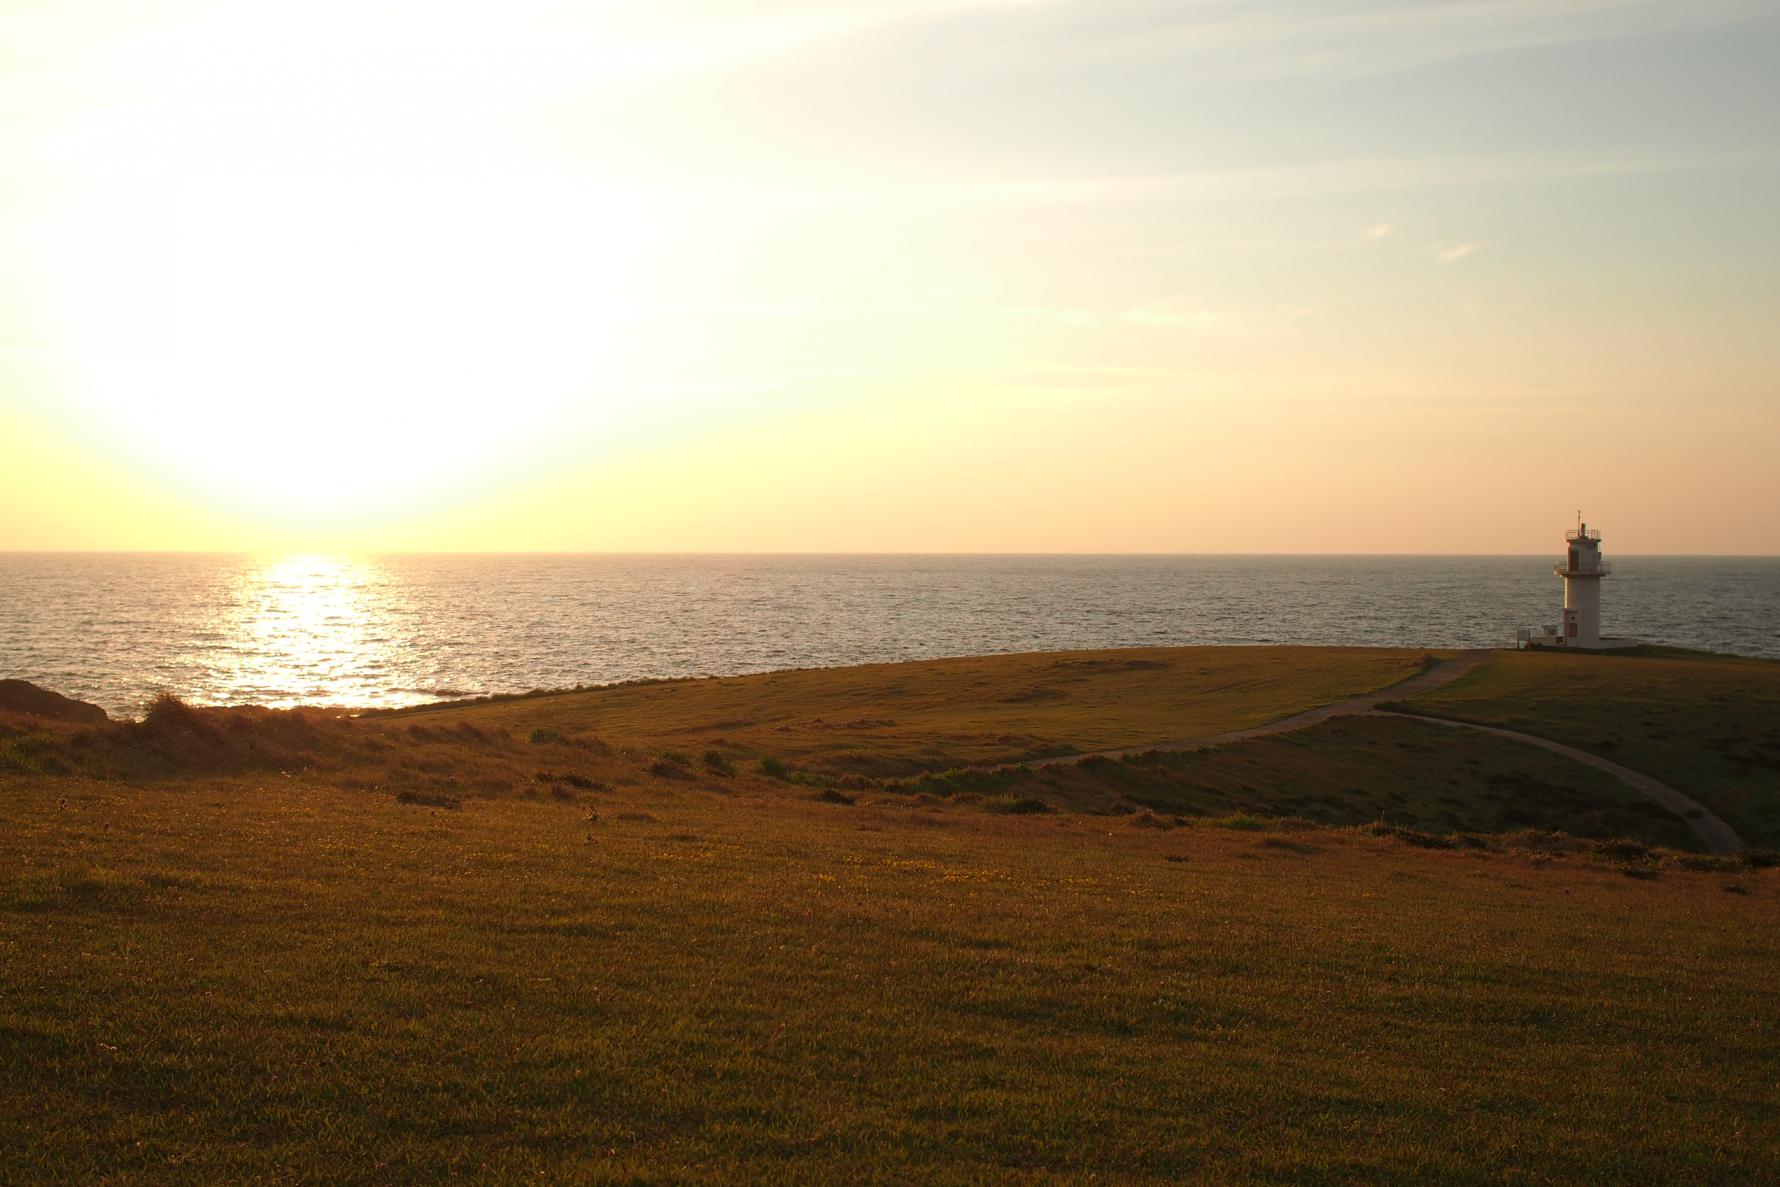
(696, 932)
(210, 981)
(1359, 769)
(1707, 725)
(898, 719)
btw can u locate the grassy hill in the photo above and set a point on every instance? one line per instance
(1709, 725)
(898, 719)
(734, 931)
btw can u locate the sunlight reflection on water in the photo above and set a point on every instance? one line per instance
(395, 630)
(306, 629)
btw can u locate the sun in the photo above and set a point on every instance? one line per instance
(307, 343)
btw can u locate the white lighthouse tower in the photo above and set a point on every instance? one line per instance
(1582, 570)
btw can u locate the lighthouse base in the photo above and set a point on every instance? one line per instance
(1550, 638)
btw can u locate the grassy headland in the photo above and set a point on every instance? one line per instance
(620, 936)
(1706, 724)
(900, 719)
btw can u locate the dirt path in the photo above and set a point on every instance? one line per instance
(1441, 673)
(1714, 834)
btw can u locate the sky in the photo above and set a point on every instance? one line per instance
(890, 275)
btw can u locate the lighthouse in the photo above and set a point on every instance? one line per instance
(1582, 570)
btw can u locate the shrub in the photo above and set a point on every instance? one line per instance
(772, 768)
(831, 796)
(570, 778)
(670, 766)
(544, 735)
(1411, 836)
(715, 762)
(27, 755)
(1018, 806)
(429, 799)
(1240, 821)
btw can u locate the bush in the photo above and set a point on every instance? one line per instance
(1411, 836)
(570, 778)
(772, 768)
(1240, 821)
(670, 766)
(718, 764)
(544, 735)
(1018, 806)
(429, 799)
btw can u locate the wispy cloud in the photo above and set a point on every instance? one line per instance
(1376, 232)
(1359, 38)
(1454, 252)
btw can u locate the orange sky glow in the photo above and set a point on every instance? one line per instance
(940, 275)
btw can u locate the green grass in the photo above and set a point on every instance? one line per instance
(1707, 725)
(900, 719)
(231, 979)
(1359, 769)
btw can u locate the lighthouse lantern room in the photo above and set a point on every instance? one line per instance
(1582, 570)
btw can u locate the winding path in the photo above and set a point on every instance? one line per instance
(1366, 702)
(1714, 834)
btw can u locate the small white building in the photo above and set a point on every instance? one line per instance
(1582, 570)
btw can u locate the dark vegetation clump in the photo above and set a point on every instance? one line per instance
(1240, 821)
(962, 781)
(1706, 863)
(773, 768)
(27, 752)
(671, 765)
(544, 735)
(1623, 849)
(1412, 836)
(717, 763)
(572, 779)
(831, 796)
(174, 738)
(1761, 859)
(1018, 805)
(429, 799)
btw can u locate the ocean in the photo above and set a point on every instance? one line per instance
(116, 628)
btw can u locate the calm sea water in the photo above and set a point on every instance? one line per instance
(115, 628)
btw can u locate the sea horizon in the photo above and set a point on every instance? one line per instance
(390, 629)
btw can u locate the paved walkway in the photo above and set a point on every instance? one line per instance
(1714, 834)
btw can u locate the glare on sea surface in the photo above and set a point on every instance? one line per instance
(308, 630)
